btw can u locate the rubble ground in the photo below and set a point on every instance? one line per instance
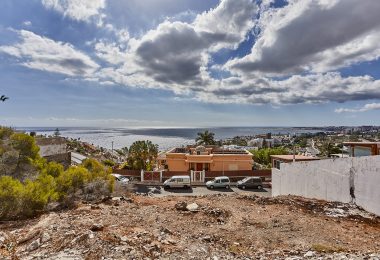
(204, 227)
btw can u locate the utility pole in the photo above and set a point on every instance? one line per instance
(223, 159)
(112, 148)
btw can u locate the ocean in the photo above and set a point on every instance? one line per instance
(165, 138)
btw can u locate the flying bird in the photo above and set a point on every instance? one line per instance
(3, 98)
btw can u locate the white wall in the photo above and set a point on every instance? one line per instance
(52, 149)
(330, 180)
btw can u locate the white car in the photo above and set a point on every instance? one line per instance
(178, 182)
(120, 178)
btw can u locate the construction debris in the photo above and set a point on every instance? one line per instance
(223, 227)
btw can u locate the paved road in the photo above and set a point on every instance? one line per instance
(159, 191)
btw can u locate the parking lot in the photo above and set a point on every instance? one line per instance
(159, 191)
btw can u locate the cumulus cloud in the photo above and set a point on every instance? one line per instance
(315, 36)
(41, 53)
(296, 52)
(177, 52)
(80, 10)
(110, 52)
(315, 88)
(366, 107)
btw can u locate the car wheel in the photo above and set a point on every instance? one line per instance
(243, 187)
(228, 187)
(212, 187)
(260, 187)
(166, 187)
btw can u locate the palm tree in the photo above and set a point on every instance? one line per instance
(142, 155)
(206, 138)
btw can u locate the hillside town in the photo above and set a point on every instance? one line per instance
(204, 180)
(189, 129)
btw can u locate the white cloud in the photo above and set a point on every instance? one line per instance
(304, 43)
(27, 23)
(314, 88)
(41, 53)
(314, 36)
(110, 52)
(175, 54)
(365, 108)
(80, 10)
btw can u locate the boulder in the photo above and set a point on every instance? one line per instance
(192, 207)
(97, 227)
(181, 206)
(34, 245)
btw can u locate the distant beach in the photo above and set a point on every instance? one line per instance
(165, 138)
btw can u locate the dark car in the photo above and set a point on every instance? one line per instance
(250, 183)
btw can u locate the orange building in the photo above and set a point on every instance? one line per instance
(210, 158)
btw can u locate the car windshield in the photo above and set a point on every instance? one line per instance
(245, 179)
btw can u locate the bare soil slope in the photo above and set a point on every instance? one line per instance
(222, 227)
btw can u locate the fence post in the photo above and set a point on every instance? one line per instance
(161, 176)
(142, 175)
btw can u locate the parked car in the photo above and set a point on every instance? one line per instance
(219, 182)
(178, 182)
(123, 180)
(250, 183)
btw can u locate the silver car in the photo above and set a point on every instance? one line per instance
(219, 182)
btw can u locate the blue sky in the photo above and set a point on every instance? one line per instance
(186, 63)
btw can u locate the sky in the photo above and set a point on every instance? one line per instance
(189, 63)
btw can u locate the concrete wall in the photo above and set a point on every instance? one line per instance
(51, 146)
(332, 180)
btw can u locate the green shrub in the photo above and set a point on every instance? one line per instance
(53, 169)
(5, 132)
(262, 156)
(31, 183)
(11, 192)
(37, 194)
(109, 163)
(72, 180)
(19, 200)
(25, 144)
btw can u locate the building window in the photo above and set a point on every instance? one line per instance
(362, 151)
(277, 164)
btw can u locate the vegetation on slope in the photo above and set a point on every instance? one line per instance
(29, 184)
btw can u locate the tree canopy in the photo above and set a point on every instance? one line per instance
(205, 138)
(142, 155)
(262, 156)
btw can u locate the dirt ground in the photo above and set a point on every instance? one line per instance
(218, 227)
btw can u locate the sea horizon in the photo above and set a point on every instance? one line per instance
(165, 138)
